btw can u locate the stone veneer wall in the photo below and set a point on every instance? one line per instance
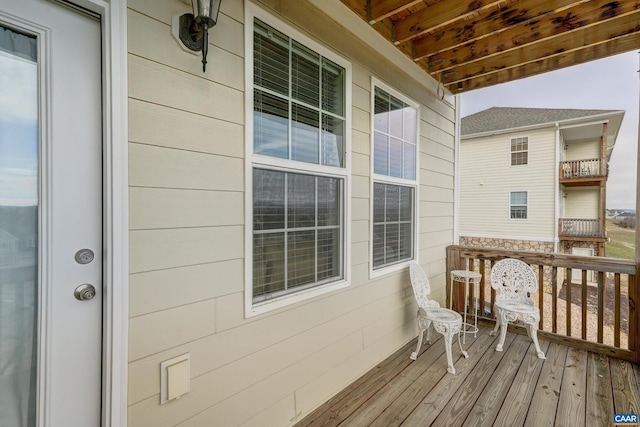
(507, 244)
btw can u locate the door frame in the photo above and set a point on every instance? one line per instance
(115, 318)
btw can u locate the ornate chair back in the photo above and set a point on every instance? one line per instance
(514, 280)
(420, 284)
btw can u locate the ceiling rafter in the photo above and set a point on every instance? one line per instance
(469, 44)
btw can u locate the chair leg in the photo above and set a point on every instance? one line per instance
(448, 338)
(429, 328)
(464, 353)
(533, 334)
(498, 320)
(504, 323)
(414, 355)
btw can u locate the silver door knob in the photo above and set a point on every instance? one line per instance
(84, 292)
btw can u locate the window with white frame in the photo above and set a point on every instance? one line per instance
(519, 151)
(299, 174)
(518, 205)
(395, 138)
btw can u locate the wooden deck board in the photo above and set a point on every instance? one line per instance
(572, 387)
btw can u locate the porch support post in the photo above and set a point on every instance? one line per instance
(603, 190)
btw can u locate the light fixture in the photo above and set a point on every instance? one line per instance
(194, 27)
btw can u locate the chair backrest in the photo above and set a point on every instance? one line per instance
(420, 284)
(513, 279)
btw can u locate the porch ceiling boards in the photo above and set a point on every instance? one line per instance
(471, 44)
(510, 388)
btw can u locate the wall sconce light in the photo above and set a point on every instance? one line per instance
(194, 27)
(565, 194)
(566, 146)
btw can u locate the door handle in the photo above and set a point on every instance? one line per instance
(84, 292)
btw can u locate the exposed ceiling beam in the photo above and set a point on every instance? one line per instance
(384, 9)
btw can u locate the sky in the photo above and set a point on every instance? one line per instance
(608, 84)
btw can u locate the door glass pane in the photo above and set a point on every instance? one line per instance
(18, 228)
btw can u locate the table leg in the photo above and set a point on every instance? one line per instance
(464, 307)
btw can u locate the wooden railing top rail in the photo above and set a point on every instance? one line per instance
(611, 265)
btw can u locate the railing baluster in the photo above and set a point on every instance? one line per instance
(616, 310)
(585, 303)
(600, 306)
(568, 293)
(483, 269)
(554, 300)
(541, 295)
(472, 290)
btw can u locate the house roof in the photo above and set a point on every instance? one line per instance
(503, 118)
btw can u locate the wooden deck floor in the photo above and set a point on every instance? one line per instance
(572, 387)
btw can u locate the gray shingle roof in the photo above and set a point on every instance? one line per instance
(500, 118)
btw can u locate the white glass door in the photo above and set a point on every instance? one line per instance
(50, 216)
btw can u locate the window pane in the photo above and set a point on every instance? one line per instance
(406, 203)
(519, 198)
(381, 153)
(301, 200)
(332, 141)
(392, 243)
(395, 158)
(378, 202)
(305, 134)
(381, 111)
(268, 263)
(410, 124)
(270, 125)
(305, 75)
(405, 240)
(395, 118)
(519, 212)
(378, 245)
(329, 253)
(333, 87)
(268, 200)
(409, 165)
(270, 58)
(301, 258)
(392, 202)
(329, 195)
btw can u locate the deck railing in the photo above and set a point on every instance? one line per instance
(581, 168)
(579, 227)
(587, 302)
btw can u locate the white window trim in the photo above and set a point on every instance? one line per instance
(527, 205)
(527, 151)
(373, 273)
(253, 160)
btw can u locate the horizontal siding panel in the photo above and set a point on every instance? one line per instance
(169, 208)
(150, 38)
(435, 179)
(434, 194)
(162, 289)
(168, 168)
(230, 311)
(159, 84)
(359, 209)
(430, 209)
(361, 98)
(361, 142)
(360, 164)
(436, 164)
(159, 331)
(360, 187)
(153, 124)
(161, 249)
(360, 231)
(430, 224)
(360, 120)
(282, 413)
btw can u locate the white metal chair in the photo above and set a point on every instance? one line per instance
(515, 281)
(444, 321)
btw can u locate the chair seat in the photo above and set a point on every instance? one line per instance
(443, 315)
(516, 306)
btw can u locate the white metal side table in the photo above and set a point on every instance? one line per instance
(466, 277)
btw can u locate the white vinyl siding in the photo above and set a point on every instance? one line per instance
(583, 150)
(582, 203)
(487, 178)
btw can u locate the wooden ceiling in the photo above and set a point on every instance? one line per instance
(471, 44)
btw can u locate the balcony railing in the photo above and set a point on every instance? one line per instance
(587, 302)
(589, 168)
(568, 227)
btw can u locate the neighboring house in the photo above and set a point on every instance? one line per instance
(535, 178)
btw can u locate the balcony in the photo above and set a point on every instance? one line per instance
(578, 173)
(588, 329)
(581, 230)
(508, 388)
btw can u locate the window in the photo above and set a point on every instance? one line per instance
(519, 151)
(518, 204)
(395, 135)
(298, 172)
